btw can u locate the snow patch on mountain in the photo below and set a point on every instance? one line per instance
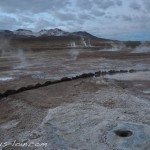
(52, 32)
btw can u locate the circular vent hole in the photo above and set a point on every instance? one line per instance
(123, 133)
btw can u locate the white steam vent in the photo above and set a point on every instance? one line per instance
(23, 62)
(73, 44)
(142, 48)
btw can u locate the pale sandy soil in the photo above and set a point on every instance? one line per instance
(103, 113)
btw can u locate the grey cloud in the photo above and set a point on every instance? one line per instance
(134, 5)
(127, 18)
(102, 4)
(64, 16)
(7, 22)
(43, 24)
(85, 16)
(35, 6)
(59, 10)
(119, 2)
(89, 15)
(105, 4)
(98, 13)
(138, 21)
(25, 18)
(143, 21)
(146, 4)
(84, 4)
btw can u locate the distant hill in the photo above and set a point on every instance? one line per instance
(44, 32)
(52, 38)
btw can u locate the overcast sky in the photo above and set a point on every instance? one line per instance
(115, 19)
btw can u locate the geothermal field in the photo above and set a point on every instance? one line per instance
(78, 93)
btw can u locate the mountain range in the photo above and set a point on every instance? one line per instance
(45, 33)
(51, 39)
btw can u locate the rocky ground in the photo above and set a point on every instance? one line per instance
(109, 112)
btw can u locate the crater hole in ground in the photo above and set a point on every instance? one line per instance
(123, 133)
